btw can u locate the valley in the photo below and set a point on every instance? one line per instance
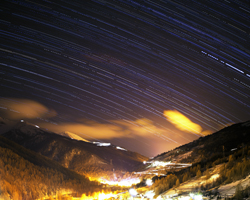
(124, 99)
(74, 169)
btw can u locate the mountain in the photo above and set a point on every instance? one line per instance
(83, 157)
(214, 166)
(211, 146)
(25, 174)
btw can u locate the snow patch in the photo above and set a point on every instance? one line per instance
(230, 188)
(103, 144)
(120, 148)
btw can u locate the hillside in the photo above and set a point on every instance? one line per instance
(211, 146)
(80, 156)
(212, 166)
(25, 174)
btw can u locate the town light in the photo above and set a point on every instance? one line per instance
(149, 182)
(150, 194)
(195, 196)
(198, 197)
(191, 195)
(132, 192)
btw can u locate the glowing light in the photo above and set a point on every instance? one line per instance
(123, 183)
(98, 195)
(198, 197)
(149, 182)
(160, 163)
(132, 192)
(150, 194)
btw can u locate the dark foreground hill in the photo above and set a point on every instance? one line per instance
(25, 174)
(218, 144)
(83, 157)
(215, 165)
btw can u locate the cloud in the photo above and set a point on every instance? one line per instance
(183, 123)
(140, 135)
(12, 108)
(94, 130)
(114, 129)
(140, 127)
(24, 109)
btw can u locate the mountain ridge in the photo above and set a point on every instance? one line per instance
(83, 157)
(211, 166)
(210, 144)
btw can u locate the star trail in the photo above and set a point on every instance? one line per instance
(112, 70)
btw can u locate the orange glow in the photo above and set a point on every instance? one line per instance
(123, 183)
(118, 128)
(126, 182)
(98, 195)
(182, 122)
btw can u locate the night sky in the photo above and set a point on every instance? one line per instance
(147, 75)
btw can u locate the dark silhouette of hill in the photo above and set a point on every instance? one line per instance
(221, 143)
(83, 157)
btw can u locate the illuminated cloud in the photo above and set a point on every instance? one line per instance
(183, 123)
(140, 135)
(94, 130)
(115, 129)
(24, 109)
(85, 129)
(136, 134)
(141, 127)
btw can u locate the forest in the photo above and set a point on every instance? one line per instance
(233, 167)
(22, 178)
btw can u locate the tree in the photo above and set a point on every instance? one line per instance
(198, 174)
(231, 161)
(207, 173)
(177, 183)
(185, 177)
